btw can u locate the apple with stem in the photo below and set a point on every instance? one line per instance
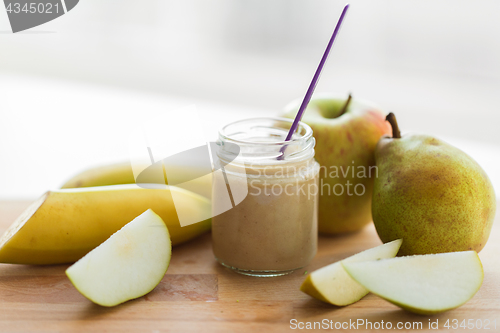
(346, 131)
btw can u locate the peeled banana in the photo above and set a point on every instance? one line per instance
(64, 225)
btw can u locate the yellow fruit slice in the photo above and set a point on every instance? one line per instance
(332, 284)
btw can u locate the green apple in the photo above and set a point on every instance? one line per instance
(424, 284)
(332, 284)
(345, 145)
(127, 265)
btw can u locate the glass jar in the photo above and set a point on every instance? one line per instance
(271, 231)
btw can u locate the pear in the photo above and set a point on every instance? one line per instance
(423, 284)
(431, 194)
(332, 284)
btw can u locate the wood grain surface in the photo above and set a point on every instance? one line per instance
(198, 295)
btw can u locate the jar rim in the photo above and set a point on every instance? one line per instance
(307, 134)
(261, 140)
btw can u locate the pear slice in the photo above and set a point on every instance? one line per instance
(332, 284)
(127, 265)
(424, 284)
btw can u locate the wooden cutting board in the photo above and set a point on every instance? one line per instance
(198, 295)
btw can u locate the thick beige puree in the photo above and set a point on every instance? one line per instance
(275, 227)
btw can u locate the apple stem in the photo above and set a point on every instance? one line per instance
(391, 118)
(346, 105)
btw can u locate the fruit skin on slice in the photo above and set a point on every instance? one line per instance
(63, 225)
(128, 265)
(332, 284)
(423, 284)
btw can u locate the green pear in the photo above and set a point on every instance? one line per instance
(431, 194)
(346, 133)
(423, 284)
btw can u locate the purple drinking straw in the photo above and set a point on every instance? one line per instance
(314, 81)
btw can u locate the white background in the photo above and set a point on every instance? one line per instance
(71, 89)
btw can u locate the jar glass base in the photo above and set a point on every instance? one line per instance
(257, 273)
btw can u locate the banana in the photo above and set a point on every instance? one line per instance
(112, 174)
(64, 225)
(121, 173)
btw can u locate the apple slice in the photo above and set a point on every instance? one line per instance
(332, 284)
(127, 265)
(424, 284)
